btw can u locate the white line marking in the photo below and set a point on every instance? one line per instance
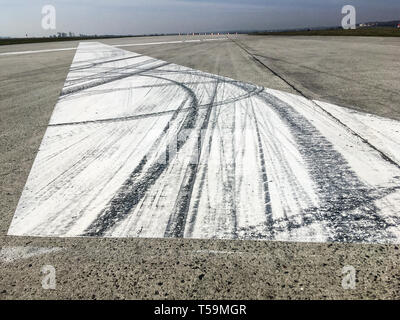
(11, 254)
(381, 132)
(116, 45)
(221, 252)
(35, 51)
(272, 165)
(165, 42)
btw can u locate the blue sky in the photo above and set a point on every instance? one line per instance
(18, 17)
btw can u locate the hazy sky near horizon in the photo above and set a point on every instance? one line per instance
(20, 17)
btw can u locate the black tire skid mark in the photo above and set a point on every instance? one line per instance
(156, 114)
(135, 187)
(201, 176)
(81, 164)
(88, 154)
(98, 63)
(248, 232)
(125, 118)
(119, 119)
(248, 87)
(264, 177)
(281, 225)
(114, 54)
(192, 73)
(167, 92)
(103, 70)
(73, 80)
(112, 90)
(232, 175)
(99, 153)
(108, 77)
(177, 222)
(202, 171)
(250, 90)
(59, 152)
(288, 172)
(230, 184)
(338, 187)
(105, 183)
(383, 155)
(227, 189)
(189, 229)
(245, 120)
(266, 191)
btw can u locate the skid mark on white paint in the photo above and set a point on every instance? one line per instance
(271, 165)
(11, 254)
(381, 132)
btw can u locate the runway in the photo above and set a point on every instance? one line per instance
(156, 43)
(359, 73)
(140, 147)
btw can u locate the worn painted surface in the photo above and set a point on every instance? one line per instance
(138, 147)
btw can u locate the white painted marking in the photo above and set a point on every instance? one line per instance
(223, 252)
(35, 51)
(273, 166)
(165, 42)
(11, 254)
(116, 45)
(382, 132)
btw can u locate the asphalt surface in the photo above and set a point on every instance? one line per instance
(185, 268)
(247, 162)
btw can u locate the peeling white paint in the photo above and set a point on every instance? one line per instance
(12, 254)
